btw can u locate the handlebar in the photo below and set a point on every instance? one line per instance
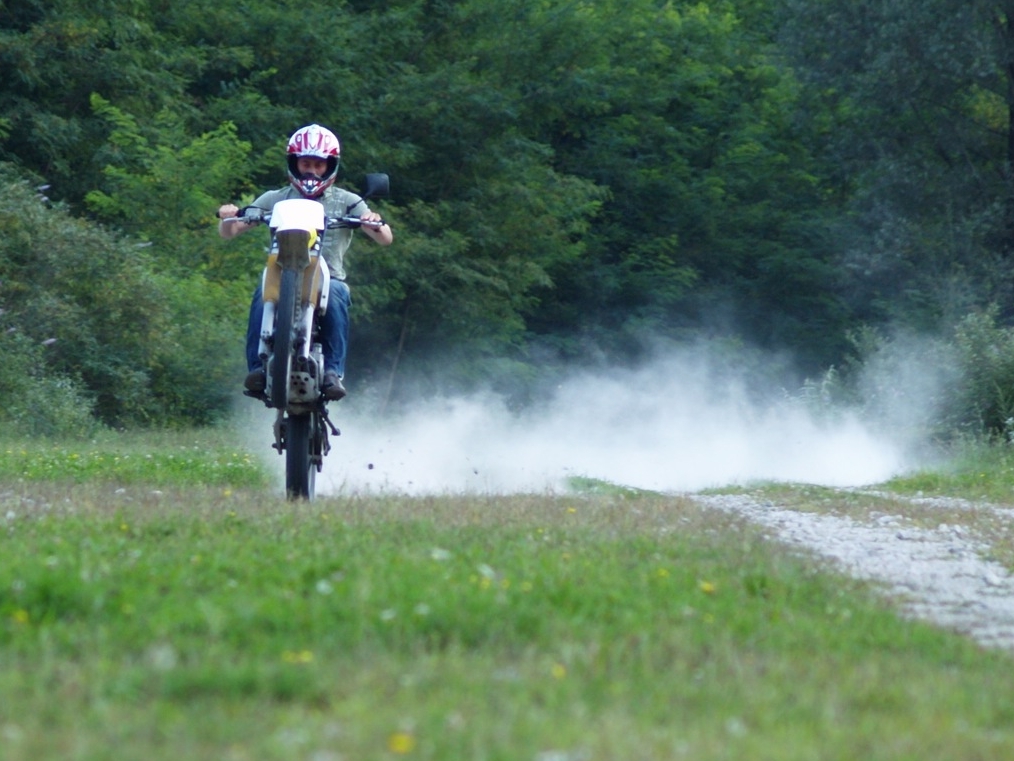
(254, 215)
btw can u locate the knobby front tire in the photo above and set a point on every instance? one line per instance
(285, 315)
(300, 472)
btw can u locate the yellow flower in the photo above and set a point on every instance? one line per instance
(707, 587)
(559, 671)
(20, 616)
(401, 743)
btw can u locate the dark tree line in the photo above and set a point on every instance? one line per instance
(572, 180)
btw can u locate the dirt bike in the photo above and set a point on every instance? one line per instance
(295, 286)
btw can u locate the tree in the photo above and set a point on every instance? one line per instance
(164, 186)
(919, 138)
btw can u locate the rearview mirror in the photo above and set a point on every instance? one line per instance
(377, 184)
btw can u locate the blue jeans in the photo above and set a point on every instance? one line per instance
(334, 329)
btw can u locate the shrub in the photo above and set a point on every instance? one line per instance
(38, 402)
(130, 344)
(984, 400)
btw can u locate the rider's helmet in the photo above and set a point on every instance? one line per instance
(319, 143)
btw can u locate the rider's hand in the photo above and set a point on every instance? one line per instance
(371, 216)
(232, 228)
(375, 226)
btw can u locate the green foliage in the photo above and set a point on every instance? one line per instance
(572, 181)
(134, 342)
(915, 100)
(151, 189)
(985, 401)
(923, 388)
(37, 400)
(194, 374)
(78, 286)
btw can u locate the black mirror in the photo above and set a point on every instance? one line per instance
(378, 184)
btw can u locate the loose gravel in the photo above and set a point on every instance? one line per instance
(938, 575)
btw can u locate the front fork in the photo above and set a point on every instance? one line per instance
(321, 444)
(307, 368)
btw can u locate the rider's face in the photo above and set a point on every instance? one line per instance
(311, 165)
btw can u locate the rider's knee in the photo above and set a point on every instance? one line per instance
(340, 290)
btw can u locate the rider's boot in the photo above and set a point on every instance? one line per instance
(255, 381)
(332, 386)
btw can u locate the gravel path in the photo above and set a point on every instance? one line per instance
(937, 575)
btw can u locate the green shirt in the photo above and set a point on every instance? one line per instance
(336, 201)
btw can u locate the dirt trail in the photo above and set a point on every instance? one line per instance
(939, 575)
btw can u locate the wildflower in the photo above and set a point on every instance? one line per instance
(401, 743)
(707, 587)
(558, 670)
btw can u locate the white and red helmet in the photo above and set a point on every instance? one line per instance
(319, 143)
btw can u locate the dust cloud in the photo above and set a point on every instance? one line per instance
(671, 427)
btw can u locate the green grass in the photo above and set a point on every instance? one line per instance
(974, 470)
(204, 622)
(154, 459)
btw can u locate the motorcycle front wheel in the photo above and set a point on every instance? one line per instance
(285, 315)
(300, 470)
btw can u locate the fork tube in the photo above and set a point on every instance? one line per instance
(267, 329)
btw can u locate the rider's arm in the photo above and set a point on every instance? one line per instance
(383, 234)
(227, 226)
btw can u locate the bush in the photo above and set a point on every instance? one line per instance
(36, 401)
(129, 344)
(196, 375)
(921, 388)
(985, 399)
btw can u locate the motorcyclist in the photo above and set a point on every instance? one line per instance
(312, 157)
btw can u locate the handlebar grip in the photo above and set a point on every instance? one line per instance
(353, 223)
(244, 215)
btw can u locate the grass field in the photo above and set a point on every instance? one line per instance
(155, 611)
